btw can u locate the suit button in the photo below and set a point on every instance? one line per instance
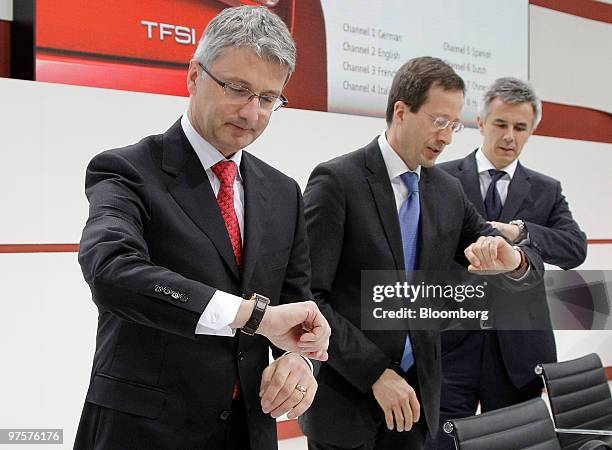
(167, 291)
(240, 356)
(158, 289)
(183, 298)
(224, 415)
(175, 295)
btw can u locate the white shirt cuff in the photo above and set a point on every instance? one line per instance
(522, 277)
(218, 314)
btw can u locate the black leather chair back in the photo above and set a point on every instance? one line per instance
(579, 397)
(524, 426)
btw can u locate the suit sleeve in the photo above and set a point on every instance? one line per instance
(114, 255)
(351, 353)
(560, 240)
(296, 285)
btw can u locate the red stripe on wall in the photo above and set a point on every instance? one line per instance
(5, 48)
(287, 429)
(574, 122)
(589, 9)
(38, 248)
(608, 372)
(73, 248)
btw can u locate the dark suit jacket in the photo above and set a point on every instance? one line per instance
(153, 252)
(353, 225)
(538, 201)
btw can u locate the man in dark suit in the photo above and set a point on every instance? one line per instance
(496, 367)
(385, 207)
(181, 225)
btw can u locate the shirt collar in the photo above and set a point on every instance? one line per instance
(208, 155)
(483, 164)
(395, 165)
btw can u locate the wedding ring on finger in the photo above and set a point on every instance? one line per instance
(302, 389)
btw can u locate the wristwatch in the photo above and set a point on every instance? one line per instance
(522, 230)
(523, 265)
(261, 303)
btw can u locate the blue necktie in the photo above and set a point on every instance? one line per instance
(492, 201)
(409, 225)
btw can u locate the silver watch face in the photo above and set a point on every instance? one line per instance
(521, 226)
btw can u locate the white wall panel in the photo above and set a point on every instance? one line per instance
(6, 10)
(569, 58)
(47, 339)
(51, 131)
(599, 258)
(574, 344)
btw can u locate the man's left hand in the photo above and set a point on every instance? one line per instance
(287, 385)
(491, 255)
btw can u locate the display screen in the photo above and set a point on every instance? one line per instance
(348, 51)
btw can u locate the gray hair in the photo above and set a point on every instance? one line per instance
(254, 27)
(513, 91)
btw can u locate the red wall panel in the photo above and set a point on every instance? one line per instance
(5, 48)
(145, 46)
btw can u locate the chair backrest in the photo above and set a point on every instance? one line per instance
(521, 426)
(579, 396)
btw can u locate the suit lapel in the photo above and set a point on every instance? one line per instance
(517, 192)
(468, 175)
(254, 215)
(382, 192)
(192, 191)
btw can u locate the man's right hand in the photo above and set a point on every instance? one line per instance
(297, 327)
(397, 399)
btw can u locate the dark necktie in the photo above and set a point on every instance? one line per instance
(409, 224)
(492, 201)
(226, 172)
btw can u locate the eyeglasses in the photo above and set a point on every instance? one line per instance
(441, 123)
(242, 94)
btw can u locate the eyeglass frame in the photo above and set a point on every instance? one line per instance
(447, 122)
(238, 87)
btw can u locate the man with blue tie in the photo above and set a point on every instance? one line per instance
(385, 207)
(494, 367)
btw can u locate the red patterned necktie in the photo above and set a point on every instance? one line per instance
(226, 172)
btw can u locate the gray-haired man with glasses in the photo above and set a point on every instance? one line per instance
(386, 207)
(190, 238)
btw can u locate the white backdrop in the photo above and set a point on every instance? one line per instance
(6, 10)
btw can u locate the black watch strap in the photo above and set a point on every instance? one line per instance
(261, 303)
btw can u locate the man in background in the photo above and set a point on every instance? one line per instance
(181, 226)
(496, 368)
(385, 207)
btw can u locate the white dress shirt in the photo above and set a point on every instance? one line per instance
(483, 165)
(395, 168)
(223, 307)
